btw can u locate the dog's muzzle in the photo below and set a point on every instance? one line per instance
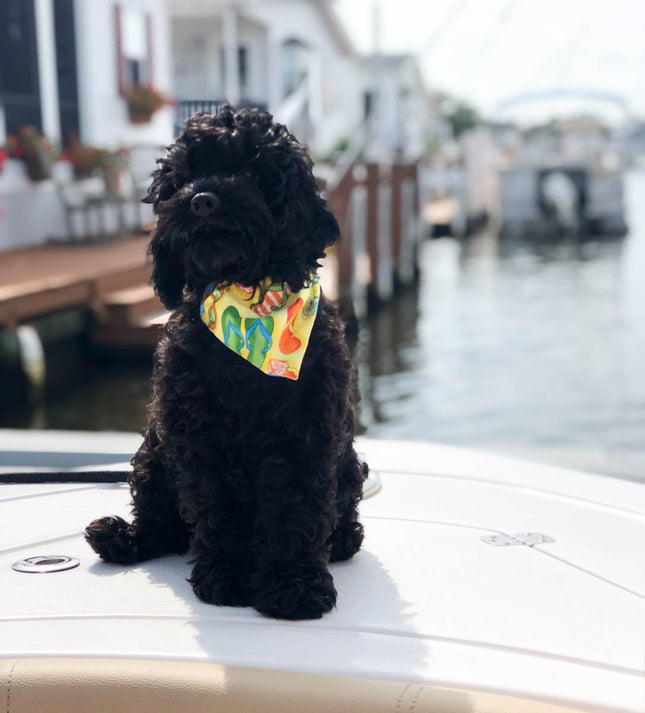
(203, 204)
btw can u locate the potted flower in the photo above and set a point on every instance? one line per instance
(85, 160)
(90, 161)
(111, 165)
(143, 101)
(31, 147)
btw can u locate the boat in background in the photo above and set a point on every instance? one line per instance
(561, 199)
(566, 179)
(485, 584)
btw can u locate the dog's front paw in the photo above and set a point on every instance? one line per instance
(346, 541)
(223, 589)
(111, 538)
(305, 594)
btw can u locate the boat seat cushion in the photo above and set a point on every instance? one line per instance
(70, 685)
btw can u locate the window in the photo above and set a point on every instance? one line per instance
(294, 65)
(19, 81)
(134, 48)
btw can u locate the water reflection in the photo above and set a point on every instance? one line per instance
(388, 359)
(521, 348)
(84, 394)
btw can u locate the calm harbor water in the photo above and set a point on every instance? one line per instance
(515, 348)
(522, 349)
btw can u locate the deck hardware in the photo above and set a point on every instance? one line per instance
(372, 485)
(530, 539)
(45, 564)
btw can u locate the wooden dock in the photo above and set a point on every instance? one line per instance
(108, 283)
(109, 280)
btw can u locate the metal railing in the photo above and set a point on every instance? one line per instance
(187, 107)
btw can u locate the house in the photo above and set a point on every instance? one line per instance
(290, 56)
(295, 58)
(396, 105)
(66, 67)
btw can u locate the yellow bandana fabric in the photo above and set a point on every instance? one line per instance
(268, 326)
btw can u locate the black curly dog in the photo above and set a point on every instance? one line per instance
(257, 474)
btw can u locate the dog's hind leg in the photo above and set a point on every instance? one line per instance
(347, 537)
(157, 528)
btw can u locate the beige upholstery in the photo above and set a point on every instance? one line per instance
(135, 686)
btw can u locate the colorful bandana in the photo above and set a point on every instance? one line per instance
(268, 326)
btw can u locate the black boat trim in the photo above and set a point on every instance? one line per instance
(65, 476)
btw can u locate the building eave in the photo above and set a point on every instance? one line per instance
(334, 24)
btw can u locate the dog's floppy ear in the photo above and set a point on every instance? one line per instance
(302, 216)
(166, 247)
(326, 229)
(168, 273)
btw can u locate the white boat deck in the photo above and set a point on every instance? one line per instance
(426, 600)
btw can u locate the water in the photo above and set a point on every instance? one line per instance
(536, 351)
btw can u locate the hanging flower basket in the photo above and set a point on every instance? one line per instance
(143, 101)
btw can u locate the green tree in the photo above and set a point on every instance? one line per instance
(461, 116)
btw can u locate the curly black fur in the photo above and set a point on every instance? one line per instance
(257, 474)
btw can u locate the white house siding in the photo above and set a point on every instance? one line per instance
(402, 107)
(336, 98)
(334, 92)
(196, 67)
(103, 113)
(197, 44)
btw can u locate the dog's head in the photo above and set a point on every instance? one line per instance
(236, 201)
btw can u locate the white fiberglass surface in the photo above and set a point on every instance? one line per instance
(425, 599)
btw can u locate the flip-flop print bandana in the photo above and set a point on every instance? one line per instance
(267, 326)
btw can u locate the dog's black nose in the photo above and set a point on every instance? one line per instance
(203, 204)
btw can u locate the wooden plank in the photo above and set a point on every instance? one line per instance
(128, 305)
(127, 336)
(20, 307)
(123, 279)
(41, 280)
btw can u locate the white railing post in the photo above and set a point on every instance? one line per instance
(361, 266)
(47, 69)
(231, 62)
(384, 276)
(409, 227)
